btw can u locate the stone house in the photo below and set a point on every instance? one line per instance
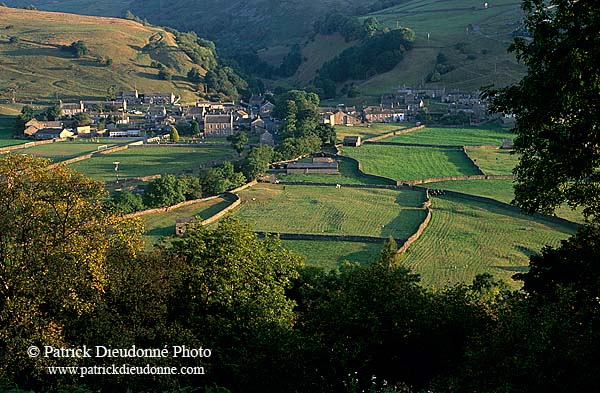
(218, 125)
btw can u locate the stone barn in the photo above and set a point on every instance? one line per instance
(352, 141)
(318, 165)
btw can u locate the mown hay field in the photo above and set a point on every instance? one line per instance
(501, 190)
(411, 163)
(466, 238)
(494, 162)
(330, 255)
(332, 211)
(454, 136)
(147, 161)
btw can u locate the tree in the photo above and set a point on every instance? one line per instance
(165, 74)
(56, 240)
(164, 191)
(127, 202)
(238, 141)
(194, 128)
(194, 75)
(82, 119)
(174, 134)
(79, 48)
(327, 134)
(257, 162)
(557, 139)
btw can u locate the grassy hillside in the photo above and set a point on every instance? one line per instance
(410, 163)
(473, 38)
(466, 238)
(329, 210)
(454, 136)
(33, 64)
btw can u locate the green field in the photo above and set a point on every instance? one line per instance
(348, 175)
(59, 151)
(331, 254)
(410, 163)
(6, 132)
(501, 190)
(494, 162)
(146, 161)
(374, 129)
(454, 136)
(163, 224)
(465, 238)
(440, 25)
(328, 210)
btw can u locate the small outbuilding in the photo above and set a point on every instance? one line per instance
(352, 141)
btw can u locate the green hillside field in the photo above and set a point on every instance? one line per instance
(473, 38)
(329, 210)
(454, 136)
(466, 238)
(147, 161)
(411, 163)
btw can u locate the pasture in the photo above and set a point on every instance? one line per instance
(472, 37)
(501, 190)
(368, 131)
(330, 255)
(332, 211)
(454, 136)
(494, 162)
(162, 225)
(60, 151)
(466, 238)
(349, 174)
(146, 161)
(411, 163)
(34, 64)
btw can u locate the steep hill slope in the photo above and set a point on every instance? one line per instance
(34, 65)
(472, 38)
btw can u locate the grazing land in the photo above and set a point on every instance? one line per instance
(411, 163)
(466, 238)
(163, 224)
(374, 129)
(501, 190)
(147, 161)
(330, 255)
(329, 210)
(59, 151)
(349, 174)
(454, 136)
(494, 162)
(35, 68)
(473, 39)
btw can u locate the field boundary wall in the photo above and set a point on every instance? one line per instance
(415, 236)
(390, 134)
(555, 220)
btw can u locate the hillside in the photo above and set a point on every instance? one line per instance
(473, 39)
(33, 64)
(84, 7)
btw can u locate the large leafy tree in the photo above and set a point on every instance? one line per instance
(56, 242)
(557, 107)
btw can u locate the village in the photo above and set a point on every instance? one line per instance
(151, 116)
